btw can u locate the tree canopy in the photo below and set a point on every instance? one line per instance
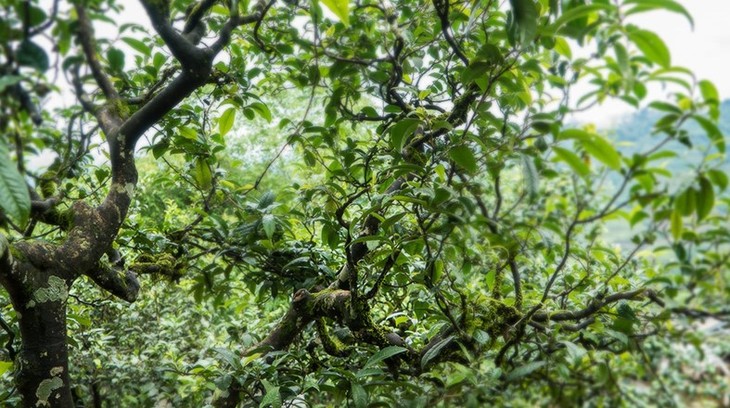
(365, 202)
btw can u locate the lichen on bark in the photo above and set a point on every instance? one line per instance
(56, 291)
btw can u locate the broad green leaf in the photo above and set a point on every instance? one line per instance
(226, 121)
(676, 224)
(668, 5)
(530, 176)
(718, 178)
(269, 223)
(272, 398)
(36, 15)
(434, 351)
(524, 370)
(464, 157)
(685, 202)
(359, 395)
(228, 356)
(262, 110)
(652, 46)
(596, 146)
(138, 45)
(709, 91)
(9, 80)
(578, 12)
(32, 55)
(713, 132)
(524, 24)
(202, 174)
(5, 366)
(341, 8)
(401, 131)
(474, 71)
(14, 196)
(705, 198)
(574, 351)
(116, 59)
(573, 161)
(382, 354)
(563, 48)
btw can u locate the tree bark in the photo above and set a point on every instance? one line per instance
(43, 379)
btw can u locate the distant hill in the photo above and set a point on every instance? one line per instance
(637, 126)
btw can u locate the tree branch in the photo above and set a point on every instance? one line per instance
(117, 281)
(183, 50)
(88, 44)
(594, 306)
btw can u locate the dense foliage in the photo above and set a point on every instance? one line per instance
(368, 203)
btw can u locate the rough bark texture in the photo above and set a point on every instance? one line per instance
(38, 275)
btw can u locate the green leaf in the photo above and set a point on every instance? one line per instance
(35, 17)
(709, 91)
(529, 174)
(272, 398)
(676, 224)
(228, 356)
(578, 12)
(30, 54)
(573, 161)
(202, 174)
(401, 131)
(524, 24)
(262, 110)
(524, 370)
(382, 354)
(116, 59)
(434, 351)
(5, 366)
(359, 395)
(269, 223)
(705, 198)
(718, 178)
(474, 71)
(668, 5)
(685, 202)
(138, 45)
(341, 8)
(652, 46)
(226, 121)
(464, 157)
(713, 132)
(14, 196)
(9, 80)
(596, 146)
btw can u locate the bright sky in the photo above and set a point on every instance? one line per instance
(704, 50)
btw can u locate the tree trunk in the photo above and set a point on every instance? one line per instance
(42, 378)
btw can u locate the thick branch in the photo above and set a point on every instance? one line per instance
(149, 114)
(117, 281)
(183, 50)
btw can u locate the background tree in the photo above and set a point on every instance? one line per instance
(435, 221)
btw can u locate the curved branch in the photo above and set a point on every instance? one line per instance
(88, 44)
(594, 306)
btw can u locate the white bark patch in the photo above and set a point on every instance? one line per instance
(129, 187)
(45, 389)
(56, 291)
(56, 371)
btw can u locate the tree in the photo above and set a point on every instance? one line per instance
(450, 210)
